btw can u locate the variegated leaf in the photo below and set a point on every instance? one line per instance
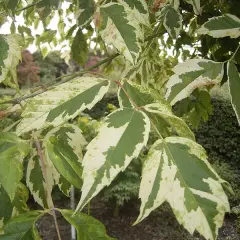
(10, 55)
(192, 74)
(64, 185)
(177, 171)
(122, 29)
(10, 208)
(172, 20)
(196, 6)
(120, 140)
(85, 11)
(12, 152)
(223, 26)
(139, 95)
(137, 8)
(63, 147)
(88, 228)
(22, 227)
(62, 103)
(234, 87)
(142, 96)
(162, 111)
(39, 187)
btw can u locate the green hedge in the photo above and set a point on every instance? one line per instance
(220, 136)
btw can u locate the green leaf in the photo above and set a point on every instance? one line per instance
(177, 171)
(36, 182)
(46, 37)
(12, 152)
(22, 227)
(234, 86)
(121, 29)
(162, 111)
(10, 55)
(140, 95)
(223, 26)
(45, 51)
(120, 139)
(196, 6)
(20, 200)
(175, 3)
(172, 20)
(85, 11)
(192, 74)
(79, 48)
(87, 227)
(48, 3)
(11, 4)
(63, 147)
(62, 103)
(64, 185)
(10, 208)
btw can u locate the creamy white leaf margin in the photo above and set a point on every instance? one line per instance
(108, 140)
(175, 122)
(200, 80)
(161, 170)
(41, 107)
(172, 26)
(13, 57)
(223, 26)
(142, 14)
(125, 35)
(196, 6)
(44, 185)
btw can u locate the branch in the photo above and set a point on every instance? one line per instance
(72, 75)
(27, 7)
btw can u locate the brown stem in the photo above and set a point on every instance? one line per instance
(47, 192)
(72, 75)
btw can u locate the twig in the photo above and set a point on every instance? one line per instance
(72, 75)
(47, 192)
(27, 7)
(235, 53)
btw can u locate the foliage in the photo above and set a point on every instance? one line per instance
(27, 71)
(50, 67)
(222, 129)
(140, 33)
